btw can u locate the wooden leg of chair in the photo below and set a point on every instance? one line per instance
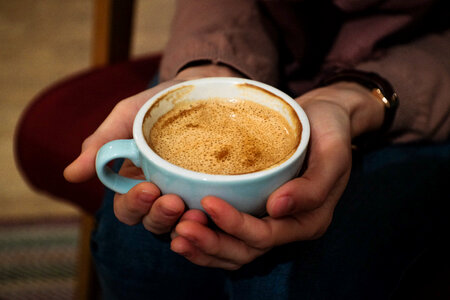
(87, 282)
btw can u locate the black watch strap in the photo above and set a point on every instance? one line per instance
(379, 86)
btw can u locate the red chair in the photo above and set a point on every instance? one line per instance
(52, 128)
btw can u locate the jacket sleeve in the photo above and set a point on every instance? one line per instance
(232, 32)
(420, 73)
(418, 68)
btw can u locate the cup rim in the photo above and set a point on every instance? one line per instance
(147, 152)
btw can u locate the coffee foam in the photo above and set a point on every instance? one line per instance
(223, 136)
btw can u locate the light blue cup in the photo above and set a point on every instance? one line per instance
(247, 192)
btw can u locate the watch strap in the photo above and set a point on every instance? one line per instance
(380, 88)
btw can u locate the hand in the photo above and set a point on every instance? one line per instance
(143, 202)
(301, 209)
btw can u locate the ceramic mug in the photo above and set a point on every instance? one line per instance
(246, 192)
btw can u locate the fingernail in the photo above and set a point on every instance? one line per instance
(212, 214)
(208, 209)
(285, 206)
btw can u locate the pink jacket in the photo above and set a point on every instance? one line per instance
(289, 44)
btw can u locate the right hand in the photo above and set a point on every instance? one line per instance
(142, 202)
(301, 209)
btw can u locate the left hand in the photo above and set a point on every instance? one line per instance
(301, 209)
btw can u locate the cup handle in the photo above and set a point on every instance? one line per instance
(115, 150)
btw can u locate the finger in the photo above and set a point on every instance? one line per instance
(301, 227)
(246, 237)
(194, 215)
(128, 169)
(326, 169)
(82, 168)
(253, 231)
(185, 248)
(118, 125)
(131, 207)
(259, 234)
(164, 214)
(213, 247)
(329, 164)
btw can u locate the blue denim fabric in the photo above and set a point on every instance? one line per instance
(394, 207)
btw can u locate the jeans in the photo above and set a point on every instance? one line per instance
(394, 207)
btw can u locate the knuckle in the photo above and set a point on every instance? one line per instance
(130, 206)
(86, 142)
(264, 240)
(318, 196)
(162, 222)
(125, 210)
(131, 210)
(121, 105)
(250, 255)
(319, 230)
(244, 261)
(215, 249)
(157, 226)
(156, 229)
(205, 261)
(122, 217)
(316, 234)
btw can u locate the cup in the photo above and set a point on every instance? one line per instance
(246, 192)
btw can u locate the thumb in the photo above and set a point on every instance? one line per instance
(328, 167)
(83, 167)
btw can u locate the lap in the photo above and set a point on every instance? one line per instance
(390, 212)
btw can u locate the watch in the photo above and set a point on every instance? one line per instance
(379, 87)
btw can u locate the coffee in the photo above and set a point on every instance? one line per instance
(223, 136)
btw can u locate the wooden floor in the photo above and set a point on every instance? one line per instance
(40, 43)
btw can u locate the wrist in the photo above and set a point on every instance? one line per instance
(379, 88)
(364, 110)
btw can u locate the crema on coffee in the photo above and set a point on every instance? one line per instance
(223, 136)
